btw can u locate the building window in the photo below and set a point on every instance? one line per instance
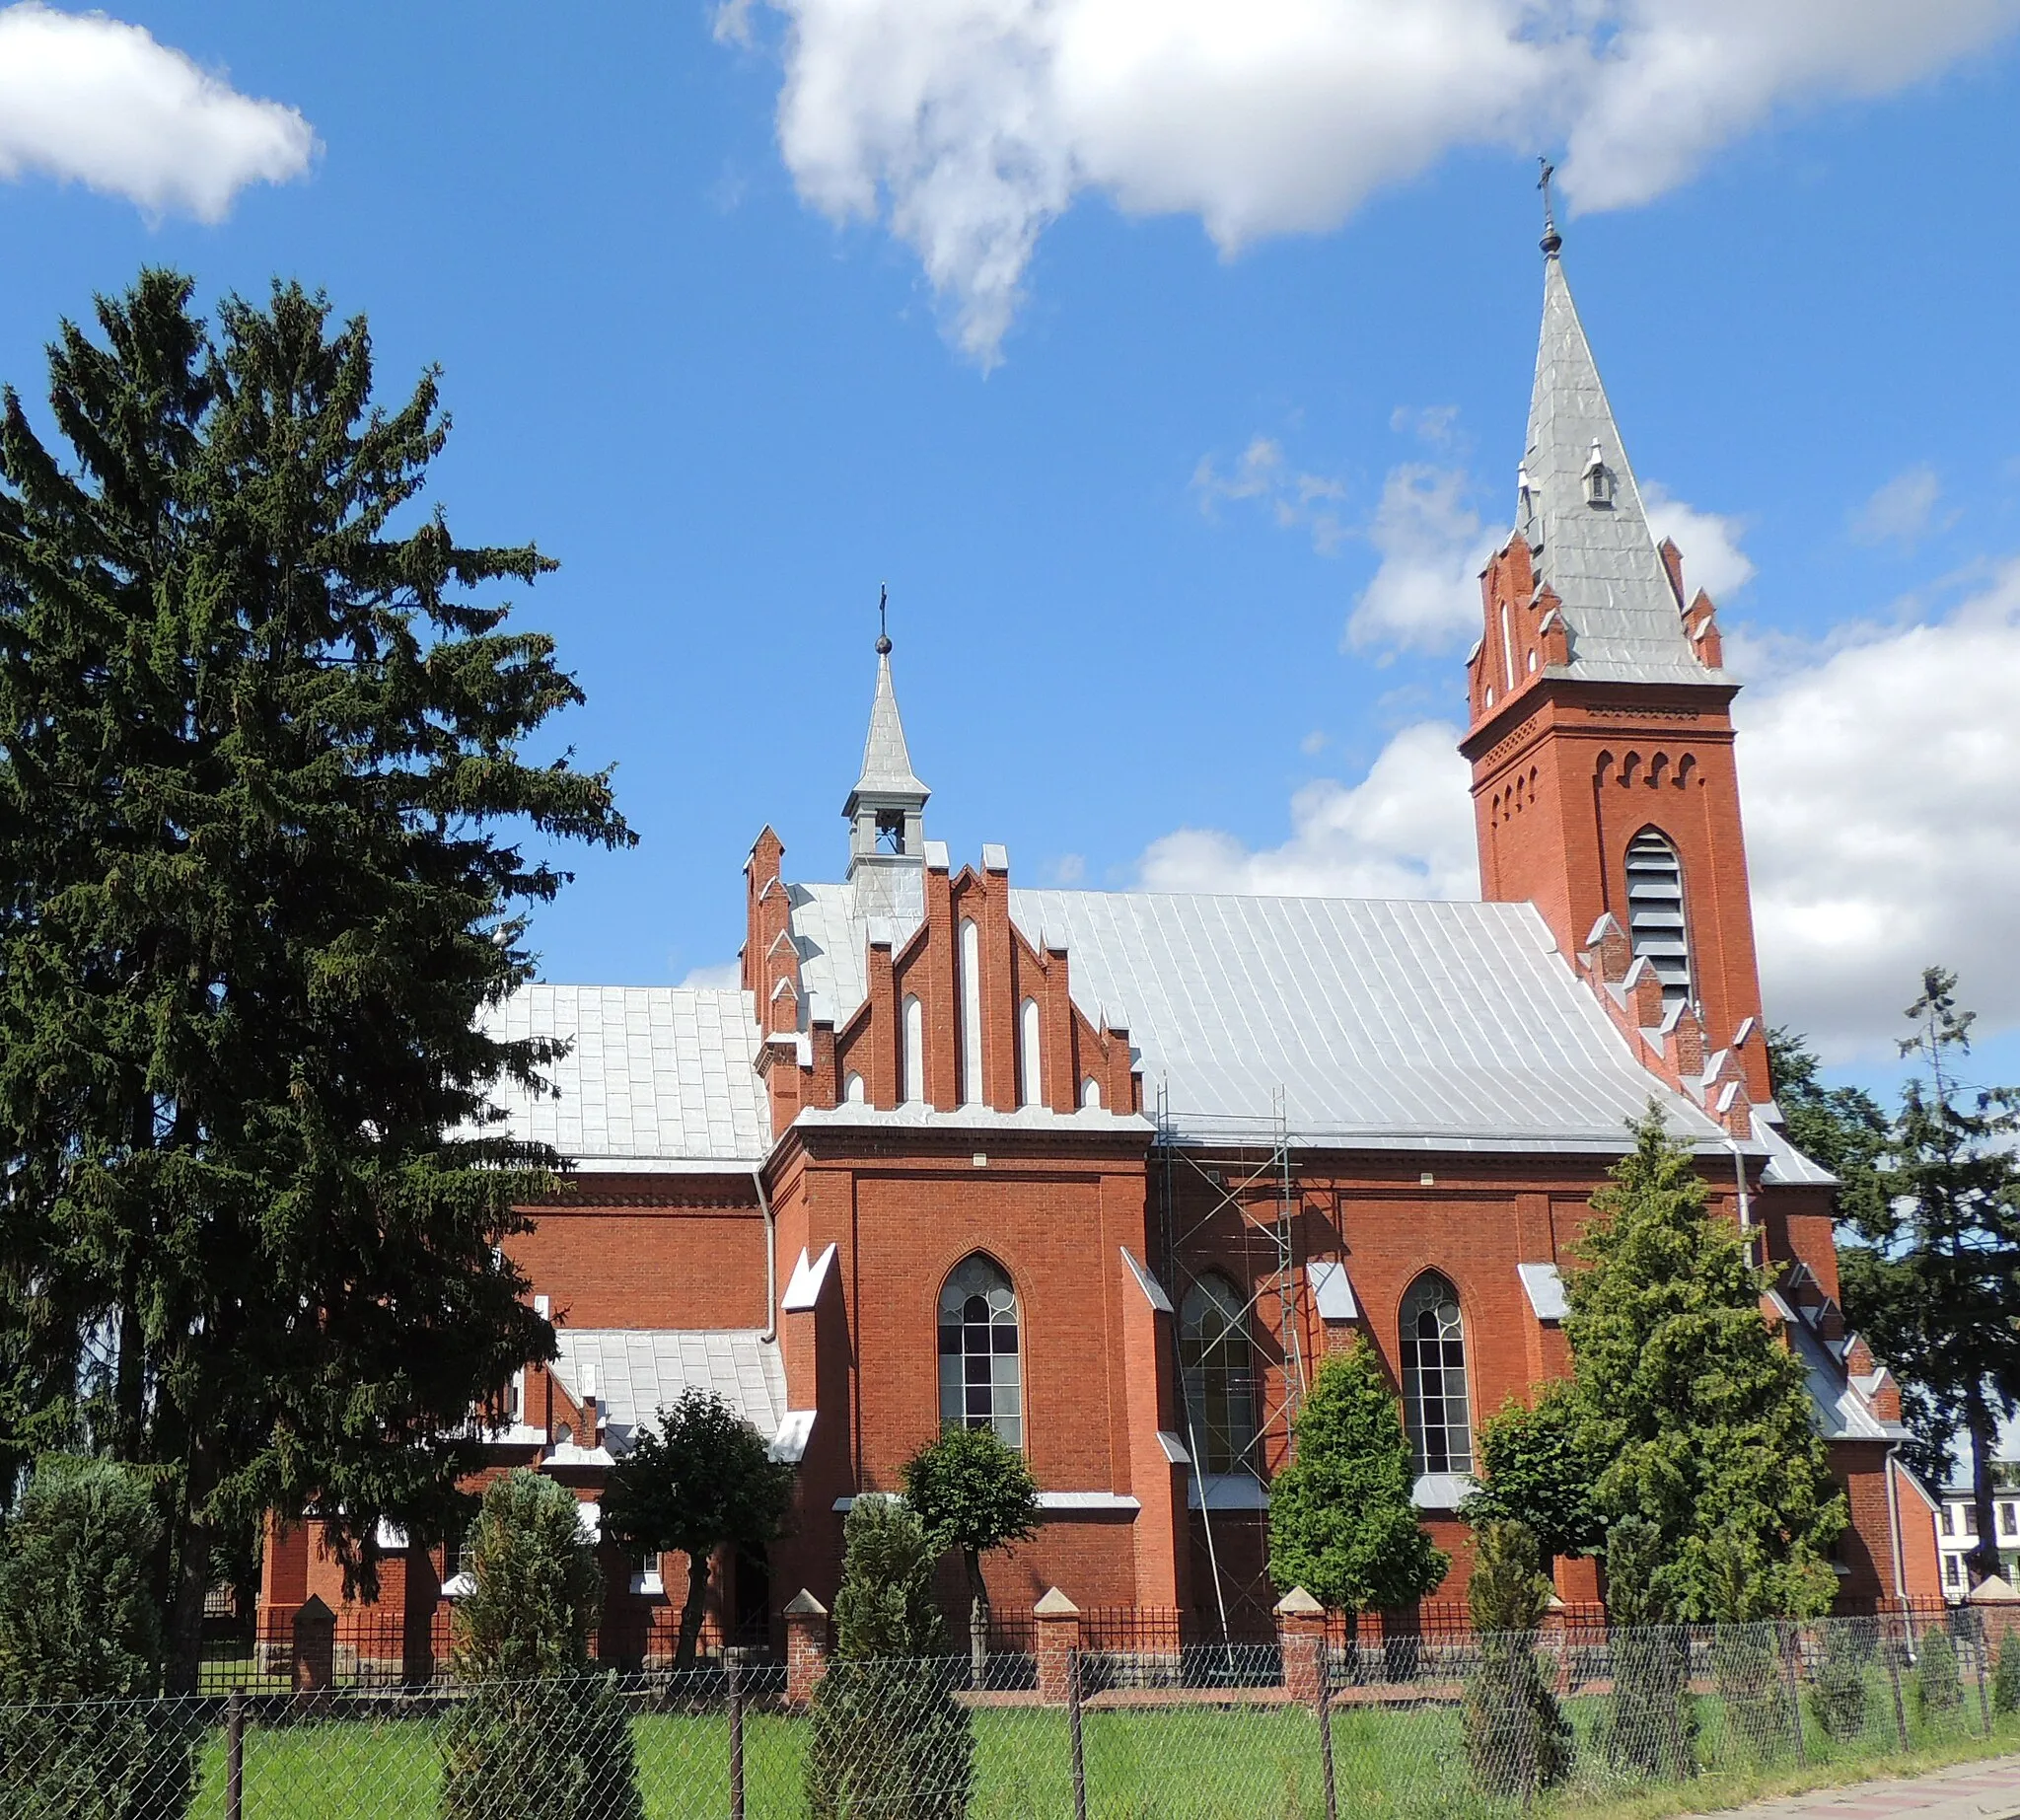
(2007, 1521)
(1219, 1369)
(1968, 1514)
(1434, 1377)
(1090, 1093)
(1655, 912)
(981, 1380)
(913, 1051)
(1031, 1079)
(971, 962)
(891, 831)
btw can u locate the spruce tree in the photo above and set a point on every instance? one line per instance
(1342, 1521)
(267, 844)
(1697, 1411)
(888, 1741)
(1936, 1288)
(540, 1735)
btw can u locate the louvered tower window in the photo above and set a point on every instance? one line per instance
(1655, 912)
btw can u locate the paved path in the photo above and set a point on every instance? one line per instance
(1988, 1790)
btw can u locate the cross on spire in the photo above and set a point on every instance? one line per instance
(1552, 242)
(883, 628)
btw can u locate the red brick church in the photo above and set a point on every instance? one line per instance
(1109, 1171)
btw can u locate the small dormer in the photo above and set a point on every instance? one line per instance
(1598, 479)
(886, 810)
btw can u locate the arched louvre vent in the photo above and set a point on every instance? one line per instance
(1655, 912)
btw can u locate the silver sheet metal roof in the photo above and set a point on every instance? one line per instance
(640, 1370)
(1840, 1412)
(654, 1076)
(1439, 1026)
(1601, 561)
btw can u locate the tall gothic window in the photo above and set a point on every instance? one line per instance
(981, 1378)
(1219, 1368)
(1434, 1377)
(1031, 1077)
(1655, 912)
(911, 1053)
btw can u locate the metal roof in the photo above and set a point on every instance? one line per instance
(1435, 1026)
(1601, 561)
(654, 1076)
(1840, 1412)
(641, 1370)
(886, 765)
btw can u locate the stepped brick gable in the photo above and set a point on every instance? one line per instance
(1110, 1171)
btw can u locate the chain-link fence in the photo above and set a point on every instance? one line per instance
(1555, 1722)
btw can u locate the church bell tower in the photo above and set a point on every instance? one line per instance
(1600, 736)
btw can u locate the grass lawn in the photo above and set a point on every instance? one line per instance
(1233, 1762)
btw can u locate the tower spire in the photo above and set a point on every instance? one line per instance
(886, 809)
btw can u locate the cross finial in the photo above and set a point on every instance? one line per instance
(883, 628)
(1551, 241)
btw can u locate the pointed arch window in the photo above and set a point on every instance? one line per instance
(1434, 1399)
(1031, 1077)
(982, 1376)
(969, 963)
(911, 1053)
(1655, 912)
(1219, 1367)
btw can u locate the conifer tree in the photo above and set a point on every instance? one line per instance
(540, 1735)
(81, 1653)
(1698, 1410)
(266, 847)
(888, 1741)
(1342, 1521)
(1517, 1738)
(1936, 1288)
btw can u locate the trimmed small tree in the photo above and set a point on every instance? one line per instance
(889, 1741)
(1937, 1687)
(974, 1494)
(78, 1623)
(1342, 1521)
(1533, 1471)
(542, 1736)
(1649, 1727)
(702, 1480)
(1696, 1412)
(1517, 1738)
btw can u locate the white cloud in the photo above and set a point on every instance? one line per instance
(1405, 831)
(1900, 509)
(967, 125)
(1883, 830)
(1294, 500)
(1709, 542)
(716, 977)
(88, 100)
(1425, 595)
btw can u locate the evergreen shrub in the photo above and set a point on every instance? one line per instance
(542, 1735)
(78, 1622)
(1839, 1697)
(888, 1739)
(2006, 1675)
(1517, 1738)
(1937, 1688)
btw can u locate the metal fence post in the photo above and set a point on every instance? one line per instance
(1893, 1656)
(1074, 1737)
(1789, 1638)
(1978, 1645)
(235, 1754)
(1326, 1729)
(736, 1702)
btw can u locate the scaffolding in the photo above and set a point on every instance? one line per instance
(1224, 1167)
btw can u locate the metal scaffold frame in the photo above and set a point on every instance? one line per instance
(1245, 1164)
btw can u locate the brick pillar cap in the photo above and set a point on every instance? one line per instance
(1298, 1603)
(1993, 1591)
(1055, 1604)
(803, 1604)
(313, 1611)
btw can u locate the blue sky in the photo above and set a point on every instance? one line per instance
(1241, 387)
